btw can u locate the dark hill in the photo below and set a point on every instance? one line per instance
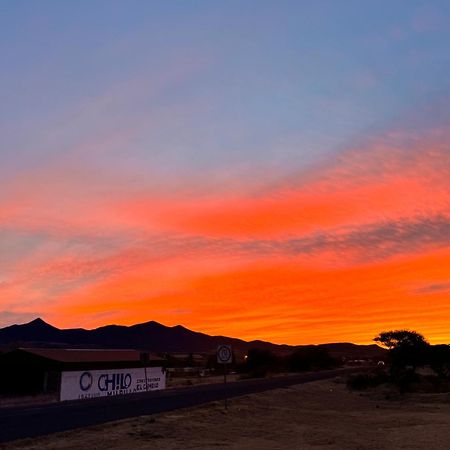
(151, 336)
(353, 351)
(155, 337)
(36, 330)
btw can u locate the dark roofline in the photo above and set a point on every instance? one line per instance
(75, 355)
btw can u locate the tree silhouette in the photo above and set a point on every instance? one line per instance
(400, 338)
(407, 349)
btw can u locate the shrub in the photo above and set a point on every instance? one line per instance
(439, 358)
(364, 380)
(259, 362)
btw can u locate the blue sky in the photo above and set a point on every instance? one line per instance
(263, 81)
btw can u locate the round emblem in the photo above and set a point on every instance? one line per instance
(85, 381)
(224, 354)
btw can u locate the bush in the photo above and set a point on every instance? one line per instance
(364, 380)
(404, 378)
(259, 362)
(439, 359)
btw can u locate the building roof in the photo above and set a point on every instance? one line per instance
(75, 355)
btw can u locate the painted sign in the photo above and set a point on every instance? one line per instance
(106, 383)
(224, 354)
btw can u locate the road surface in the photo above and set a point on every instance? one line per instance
(37, 420)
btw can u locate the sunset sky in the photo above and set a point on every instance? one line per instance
(274, 170)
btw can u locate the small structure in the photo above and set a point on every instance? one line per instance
(40, 370)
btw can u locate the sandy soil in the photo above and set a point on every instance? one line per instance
(322, 414)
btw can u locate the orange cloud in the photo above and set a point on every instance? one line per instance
(339, 252)
(361, 187)
(287, 301)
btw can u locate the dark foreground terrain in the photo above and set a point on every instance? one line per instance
(32, 421)
(309, 416)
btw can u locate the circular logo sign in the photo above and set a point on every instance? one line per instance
(224, 354)
(85, 381)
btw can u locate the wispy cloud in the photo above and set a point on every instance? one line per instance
(350, 232)
(434, 288)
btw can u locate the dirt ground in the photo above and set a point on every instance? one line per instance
(322, 414)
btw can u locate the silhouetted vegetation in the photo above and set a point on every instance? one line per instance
(408, 350)
(364, 380)
(439, 360)
(311, 358)
(260, 362)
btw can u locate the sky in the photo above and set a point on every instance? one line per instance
(273, 170)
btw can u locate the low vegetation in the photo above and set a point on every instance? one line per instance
(259, 362)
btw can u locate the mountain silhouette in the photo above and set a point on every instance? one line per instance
(155, 337)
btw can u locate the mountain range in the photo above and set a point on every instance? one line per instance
(155, 337)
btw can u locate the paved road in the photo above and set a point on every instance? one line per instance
(32, 421)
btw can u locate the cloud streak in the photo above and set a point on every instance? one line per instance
(351, 244)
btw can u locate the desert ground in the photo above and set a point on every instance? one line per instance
(322, 414)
